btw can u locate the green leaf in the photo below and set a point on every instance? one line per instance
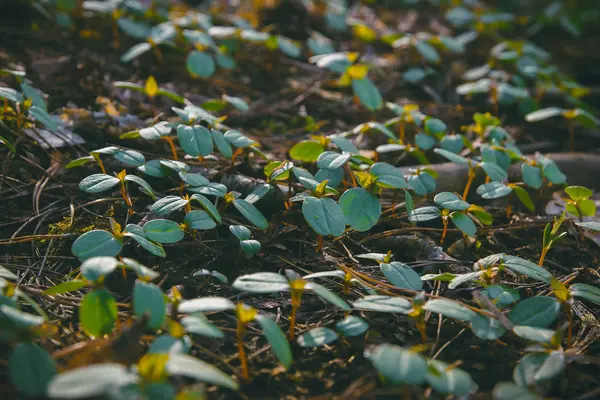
(544, 113)
(383, 304)
(487, 328)
(240, 232)
(148, 298)
(98, 312)
(494, 171)
(205, 304)
(388, 176)
(587, 207)
(155, 131)
(539, 311)
(423, 214)
(184, 365)
(11, 95)
(532, 176)
(137, 233)
(288, 47)
(528, 268)
(464, 223)
(195, 140)
(332, 160)
(65, 287)
(449, 380)
(31, 369)
(167, 205)
(222, 144)
(428, 52)
(237, 102)
(434, 126)
(95, 269)
(237, 139)
(140, 270)
(262, 282)
(78, 162)
(198, 324)
(424, 142)
(251, 213)
(587, 292)
(22, 320)
(397, 365)
(96, 243)
(163, 231)
(533, 333)
(595, 226)
(199, 219)
(277, 340)
(464, 278)
(42, 116)
(455, 158)
(524, 197)
(501, 295)
(324, 216)
(578, 193)
(208, 205)
(90, 381)
(131, 158)
(317, 337)
(200, 64)
(537, 367)
(144, 186)
(352, 326)
(307, 151)
(368, 93)
(97, 183)
(402, 276)
(35, 97)
(450, 309)
(258, 193)
(493, 190)
(327, 295)
(361, 208)
(450, 201)
(511, 391)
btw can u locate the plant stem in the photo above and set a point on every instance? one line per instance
(100, 163)
(123, 190)
(172, 145)
(349, 171)
(445, 222)
(543, 256)
(469, 182)
(240, 331)
(319, 243)
(508, 210)
(570, 328)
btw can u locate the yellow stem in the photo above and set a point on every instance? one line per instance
(172, 145)
(543, 256)
(292, 323)
(125, 195)
(469, 182)
(241, 330)
(445, 222)
(319, 243)
(508, 211)
(349, 171)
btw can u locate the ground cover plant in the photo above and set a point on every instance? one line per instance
(298, 199)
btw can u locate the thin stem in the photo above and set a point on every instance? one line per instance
(543, 256)
(99, 161)
(126, 197)
(349, 171)
(172, 145)
(445, 222)
(570, 328)
(240, 331)
(469, 182)
(292, 323)
(319, 243)
(508, 210)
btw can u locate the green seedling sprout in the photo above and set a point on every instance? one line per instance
(551, 236)
(578, 115)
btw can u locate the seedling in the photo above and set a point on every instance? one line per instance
(497, 190)
(579, 203)
(249, 247)
(551, 236)
(152, 90)
(452, 208)
(130, 158)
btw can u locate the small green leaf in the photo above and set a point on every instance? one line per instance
(307, 151)
(199, 219)
(208, 205)
(455, 158)
(240, 232)
(205, 304)
(494, 171)
(383, 304)
(198, 324)
(95, 269)
(450, 201)
(96, 243)
(397, 365)
(262, 282)
(200, 64)
(501, 295)
(277, 340)
(65, 287)
(449, 380)
(148, 298)
(402, 276)
(195, 140)
(450, 309)
(93, 380)
(388, 176)
(587, 292)
(487, 328)
(31, 369)
(251, 213)
(324, 216)
(97, 183)
(98, 312)
(167, 205)
(317, 337)
(368, 93)
(188, 366)
(533, 333)
(137, 233)
(131, 158)
(78, 162)
(524, 197)
(423, 214)
(42, 116)
(144, 186)
(544, 113)
(464, 223)
(539, 311)
(493, 190)
(352, 326)
(511, 391)
(361, 208)
(527, 268)
(163, 231)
